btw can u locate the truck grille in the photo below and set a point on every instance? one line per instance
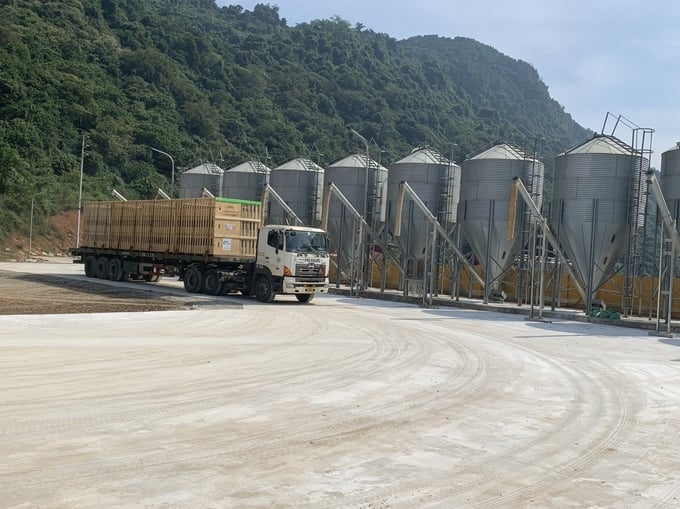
(310, 272)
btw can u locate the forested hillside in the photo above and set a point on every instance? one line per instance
(205, 83)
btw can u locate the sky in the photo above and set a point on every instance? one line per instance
(600, 59)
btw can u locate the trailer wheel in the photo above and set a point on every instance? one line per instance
(193, 280)
(102, 268)
(211, 282)
(305, 297)
(115, 269)
(263, 289)
(90, 266)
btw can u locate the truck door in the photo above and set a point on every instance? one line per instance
(270, 254)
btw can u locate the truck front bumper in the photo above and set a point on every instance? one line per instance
(291, 286)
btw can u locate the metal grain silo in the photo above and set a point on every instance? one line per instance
(205, 176)
(245, 181)
(599, 197)
(484, 196)
(299, 183)
(669, 180)
(350, 176)
(436, 181)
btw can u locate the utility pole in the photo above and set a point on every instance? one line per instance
(80, 191)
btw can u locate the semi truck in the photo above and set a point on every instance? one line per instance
(215, 246)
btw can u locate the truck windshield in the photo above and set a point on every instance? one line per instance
(299, 241)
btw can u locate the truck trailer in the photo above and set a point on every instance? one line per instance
(215, 246)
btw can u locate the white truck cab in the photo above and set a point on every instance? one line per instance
(291, 260)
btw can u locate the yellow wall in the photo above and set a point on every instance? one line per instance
(644, 301)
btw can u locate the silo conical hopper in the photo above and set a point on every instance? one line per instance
(350, 177)
(299, 183)
(205, 176)
(435, 180)
(485, 191)
(245, 181)
(591, 206)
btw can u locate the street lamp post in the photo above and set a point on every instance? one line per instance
(80, 191)
(172, 177)
(30, 234)
(363, 237)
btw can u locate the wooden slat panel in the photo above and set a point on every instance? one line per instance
(161, 226)
(193, 226)
(235, 229)
(96, 224)
(116, 214)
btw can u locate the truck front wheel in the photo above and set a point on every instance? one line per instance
(263, 289)
(305, 297)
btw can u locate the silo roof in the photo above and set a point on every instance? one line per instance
(356, 161)
(602, 145)
(206, 169)
(300, 164)
(422, 156)
(250, 167)
(501, 151)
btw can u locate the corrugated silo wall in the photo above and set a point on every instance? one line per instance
(425, 180)
(669, 181)
(301, 190)
(192, 184)
(590, 210)
(484, 197)
(350, 181)
(243, 185)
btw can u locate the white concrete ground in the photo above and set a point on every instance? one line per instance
(342, 403)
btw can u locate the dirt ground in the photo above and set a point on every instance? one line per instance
(46, 294)
(57, 242)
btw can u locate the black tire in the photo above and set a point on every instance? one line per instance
(263, 289)
(115, 269)
(304, 297)
(211, 282)
(101, 268)
(193, 280)
(91, 266)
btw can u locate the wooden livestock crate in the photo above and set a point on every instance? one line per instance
(192, 226)
(235, 227)
(96, 222)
